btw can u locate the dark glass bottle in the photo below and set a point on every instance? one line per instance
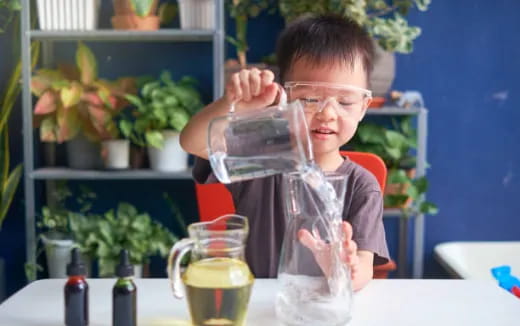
(124, 294)
(76, 292)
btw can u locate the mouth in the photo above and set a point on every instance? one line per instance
(323, 131)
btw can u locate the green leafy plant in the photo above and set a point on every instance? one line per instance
(395, 145)
(242, 11)
(383, 19)
(103, 236)
(55, 218)
(54, 223)
(163, 104)
(142, 8)
(72, 99)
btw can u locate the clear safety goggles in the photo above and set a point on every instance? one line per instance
(316, 96)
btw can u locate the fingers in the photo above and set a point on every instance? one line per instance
(252, 86)
(233, 89)
(255, 81)
(244, 75)
(347, 231)
(308, 240)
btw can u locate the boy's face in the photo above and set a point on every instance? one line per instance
(330, 126)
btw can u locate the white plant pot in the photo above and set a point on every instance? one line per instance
(116, 153)
(197, 14)
(383, 74)
(68, 15)
(58, 256)
(171, 158)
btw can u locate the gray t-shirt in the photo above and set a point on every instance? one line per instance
(261, 200)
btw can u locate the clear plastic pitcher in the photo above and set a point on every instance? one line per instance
(217, 282)
(315, 282)
(258, 143)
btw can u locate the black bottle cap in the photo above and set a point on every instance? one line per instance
(76, 266)
(124, 268)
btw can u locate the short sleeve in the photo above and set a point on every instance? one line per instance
(366, 217)
(202, 172)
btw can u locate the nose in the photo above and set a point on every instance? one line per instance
(327, 111)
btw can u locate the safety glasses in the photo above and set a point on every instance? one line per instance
(315, 96)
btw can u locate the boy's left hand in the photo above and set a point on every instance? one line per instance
(320, 249)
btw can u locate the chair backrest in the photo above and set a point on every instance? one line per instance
(372, 163)
(215, 200)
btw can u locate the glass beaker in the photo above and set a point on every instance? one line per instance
(217, 281)
(315, 284)
(258, 143)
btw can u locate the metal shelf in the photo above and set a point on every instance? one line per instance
(215, 37)
(56, 173)
(392, 212)
(124, 35)
(394, 110)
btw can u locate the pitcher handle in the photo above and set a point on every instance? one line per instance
(283, 99)
(174, 260)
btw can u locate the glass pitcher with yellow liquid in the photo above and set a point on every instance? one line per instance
(217, 282)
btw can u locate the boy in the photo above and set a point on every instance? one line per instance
(324, 62)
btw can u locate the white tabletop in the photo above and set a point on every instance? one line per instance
(382, 302)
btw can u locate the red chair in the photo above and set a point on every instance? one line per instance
(215, 200)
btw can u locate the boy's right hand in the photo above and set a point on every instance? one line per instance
(251, 88)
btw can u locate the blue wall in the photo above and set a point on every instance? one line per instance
(465, 63)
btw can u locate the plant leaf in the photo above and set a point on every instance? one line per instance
(179, 119)
(86, 63)
(39, 84)
(142, 8)
(8, 190)
(46, 103)
(429, 208)
(48, 130)
(71, 96)
(68, 124)
(398, 176)
(135, 100)
(155, 139)
(126, 128)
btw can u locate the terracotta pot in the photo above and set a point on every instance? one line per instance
(400, 189)
(150, 23)
(377, 102)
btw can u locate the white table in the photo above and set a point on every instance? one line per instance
(382, 302)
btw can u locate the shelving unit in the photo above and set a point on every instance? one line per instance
(48, 38)
(421, 115)
(216, 37)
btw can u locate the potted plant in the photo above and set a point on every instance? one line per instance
(135, 14)
(79, 15)
(384, 20)
(77, 107)
(163, 108)
(394, 146)
(54, 222)
(103, 236)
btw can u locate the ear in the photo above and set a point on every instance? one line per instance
(366, 104)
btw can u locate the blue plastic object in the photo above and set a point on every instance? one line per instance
(503, 275)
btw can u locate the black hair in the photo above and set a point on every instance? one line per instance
(324, 38)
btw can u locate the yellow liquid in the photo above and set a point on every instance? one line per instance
(218, 291)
